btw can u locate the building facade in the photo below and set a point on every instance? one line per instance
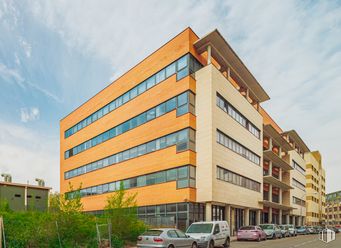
(333, 209)
(185, 131)
(22, 197)
(315, 189)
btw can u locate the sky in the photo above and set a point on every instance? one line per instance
(54, 55)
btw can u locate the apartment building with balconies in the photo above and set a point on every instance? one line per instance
(276, 173)
(333, 209)
(297, 177)
(315, 189)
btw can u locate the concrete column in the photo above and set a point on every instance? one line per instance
(280, 217)
(258, 219)
(208, 211)
(270, 215)
(280, 196)
(270, 143)
(228, 217)
(247, 217)
(287, 217)
(280, 174)
(232, 221)
(270, 167)
(270, 192)
(228, 213)
(209, 56)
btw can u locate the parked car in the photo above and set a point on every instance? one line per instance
(210, 233)
(302, 230)
(336, 230)
(251, 233)
(272, 231)
(165, 237)
(318, 229)
(284, 231)
(292, 230)
(310, 230)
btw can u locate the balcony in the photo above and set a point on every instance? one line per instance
(270, 155)
(276, 182)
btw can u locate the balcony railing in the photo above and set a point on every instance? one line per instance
(266, 196)
(275, 198)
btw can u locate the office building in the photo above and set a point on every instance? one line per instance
(184, 130)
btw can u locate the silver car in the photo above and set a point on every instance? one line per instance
(272, 231)
(165, 238)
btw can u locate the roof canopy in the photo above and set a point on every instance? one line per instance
(297, 139)
(227, 58)
(277, 137)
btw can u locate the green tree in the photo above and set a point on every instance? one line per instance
(121, 210)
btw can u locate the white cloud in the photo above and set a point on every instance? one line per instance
(26, 47)
(28, 154)
(11, 74)
(292, 47)
(29, 114)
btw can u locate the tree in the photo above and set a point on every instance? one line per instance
(121, 210)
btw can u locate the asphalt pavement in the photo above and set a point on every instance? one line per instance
(302, 241)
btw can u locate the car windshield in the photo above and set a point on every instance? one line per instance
(300, 227)
(282, 227)
(200, 228)
(152, 233)
(247, 228)
(291, 226)
(266, 227)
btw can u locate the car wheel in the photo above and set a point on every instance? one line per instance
(211, 245)
(227, 242)
(259, 239)
(274, 236)
(171, 246)
(194, 245)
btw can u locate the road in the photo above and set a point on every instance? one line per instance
(304, 241)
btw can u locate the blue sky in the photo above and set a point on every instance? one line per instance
(54, 55)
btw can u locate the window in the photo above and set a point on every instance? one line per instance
(136, 121)
(172, 234)
(231, 177)
(180, 137)
(233, 145)
(223, 104)
(145, 180)
(298, 167)
(182, 67)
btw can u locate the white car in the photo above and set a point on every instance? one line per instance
(210, 233)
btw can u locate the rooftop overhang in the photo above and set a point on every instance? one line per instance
(227, 58)
(297, 139)
(24, 185)
(274, 181)
(276, 205)
(270, 131)
(270, 155)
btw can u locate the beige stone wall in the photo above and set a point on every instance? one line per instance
(210, 153)
(299, 177)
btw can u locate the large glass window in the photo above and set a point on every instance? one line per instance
(182, 175)
(136, 121)
(185, 136)
(180, 67)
